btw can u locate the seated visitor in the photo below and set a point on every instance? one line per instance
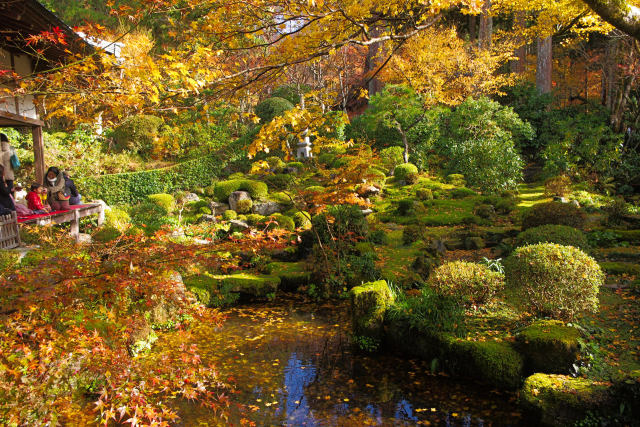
(75, 198)
(6, 201)
(20, 195)
(57, 192)
(34, 202)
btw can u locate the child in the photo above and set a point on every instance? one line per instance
(34, 202)
(20, 195)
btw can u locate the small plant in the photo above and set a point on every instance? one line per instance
(472, 283)
(494, 264)
(558, 186)
(229, 214)
(366, 344)
(554, 280)
(244, 206)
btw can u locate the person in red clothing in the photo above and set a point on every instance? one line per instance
(34, 202)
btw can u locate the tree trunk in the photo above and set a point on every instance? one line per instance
(519, 64)
(544, 64)
(473, 30)
(405, 154)
(486, 26)
(609, 74)
(372, 62)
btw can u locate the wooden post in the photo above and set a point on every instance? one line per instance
(38, 153)
(101, 216)
(75, 224)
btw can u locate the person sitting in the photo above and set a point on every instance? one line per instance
(34, 202)
(6, 201)
(75, 198)
(57, 191)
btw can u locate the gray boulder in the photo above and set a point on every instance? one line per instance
(237, 225)
(191, 197)
(218, 208)
(267, 208)
(207, 218)
(235, 197)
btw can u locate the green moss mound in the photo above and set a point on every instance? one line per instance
(554, 213)
(272, 107)
(549, 346)
(166, 201)
(302, 220)
(106, 234)
(560, 400)
(280, 221)
(223, 189)
(117, 218)
(551, 233)
(229, 214)
(244, 206)
(369, 303)
(554, 280)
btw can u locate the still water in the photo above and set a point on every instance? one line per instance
(291, 363)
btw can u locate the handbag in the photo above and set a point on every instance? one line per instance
(61, 196)
(15, 161)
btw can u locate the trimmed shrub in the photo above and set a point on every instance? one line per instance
(553, 213)
(557, 186)
(551, 233)
(229, 215)
(407, 172)
(136, 133)
(275, 164)
(149, 216)
(376, 176)
(456, 179)
(272, 107)
(379, 237)
(223, 189)
(166, 201)
(470, 282)
(554, 280)
(117, 218)
(133, 187)
(244, 206)
(369, 303)
(296, 165)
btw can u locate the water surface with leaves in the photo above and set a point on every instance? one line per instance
(291, 362)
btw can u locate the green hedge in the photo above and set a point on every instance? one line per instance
(133, 187)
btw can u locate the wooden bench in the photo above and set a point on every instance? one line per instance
(72, 216)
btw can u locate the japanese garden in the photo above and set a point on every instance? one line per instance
(319, 212)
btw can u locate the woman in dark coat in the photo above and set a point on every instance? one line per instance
(57, 191)
(6, 202)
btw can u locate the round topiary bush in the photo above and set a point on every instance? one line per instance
(117, 218)
(407, 172)
(244, 206)
(229, 215)
(554, 213)
(272, 107)
(554, 280)
(551, 233)
(470, 282)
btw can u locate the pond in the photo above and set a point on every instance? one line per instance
(292, 363)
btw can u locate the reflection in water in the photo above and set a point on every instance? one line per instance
(292, 364)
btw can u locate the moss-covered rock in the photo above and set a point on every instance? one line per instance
(292, 274)
(560, 400)
(368, 305)
(549, 346)
(493, 362)
(229, 215)
(219, 290)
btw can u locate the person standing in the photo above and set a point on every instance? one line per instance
(6, 202)
(6, 151)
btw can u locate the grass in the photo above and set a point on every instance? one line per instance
(395, 260)
(531, 194)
